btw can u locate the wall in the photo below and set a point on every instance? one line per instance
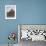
(27, 12)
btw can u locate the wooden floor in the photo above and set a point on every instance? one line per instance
(9, 45)
(30, 43)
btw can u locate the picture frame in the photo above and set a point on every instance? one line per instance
(10, 11)
(39, 28)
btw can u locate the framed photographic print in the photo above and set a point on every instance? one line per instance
(10, 11)
(33, 32)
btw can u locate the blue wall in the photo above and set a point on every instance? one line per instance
(27, 12)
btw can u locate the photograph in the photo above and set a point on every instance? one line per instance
(10, 11)
(28, 33)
